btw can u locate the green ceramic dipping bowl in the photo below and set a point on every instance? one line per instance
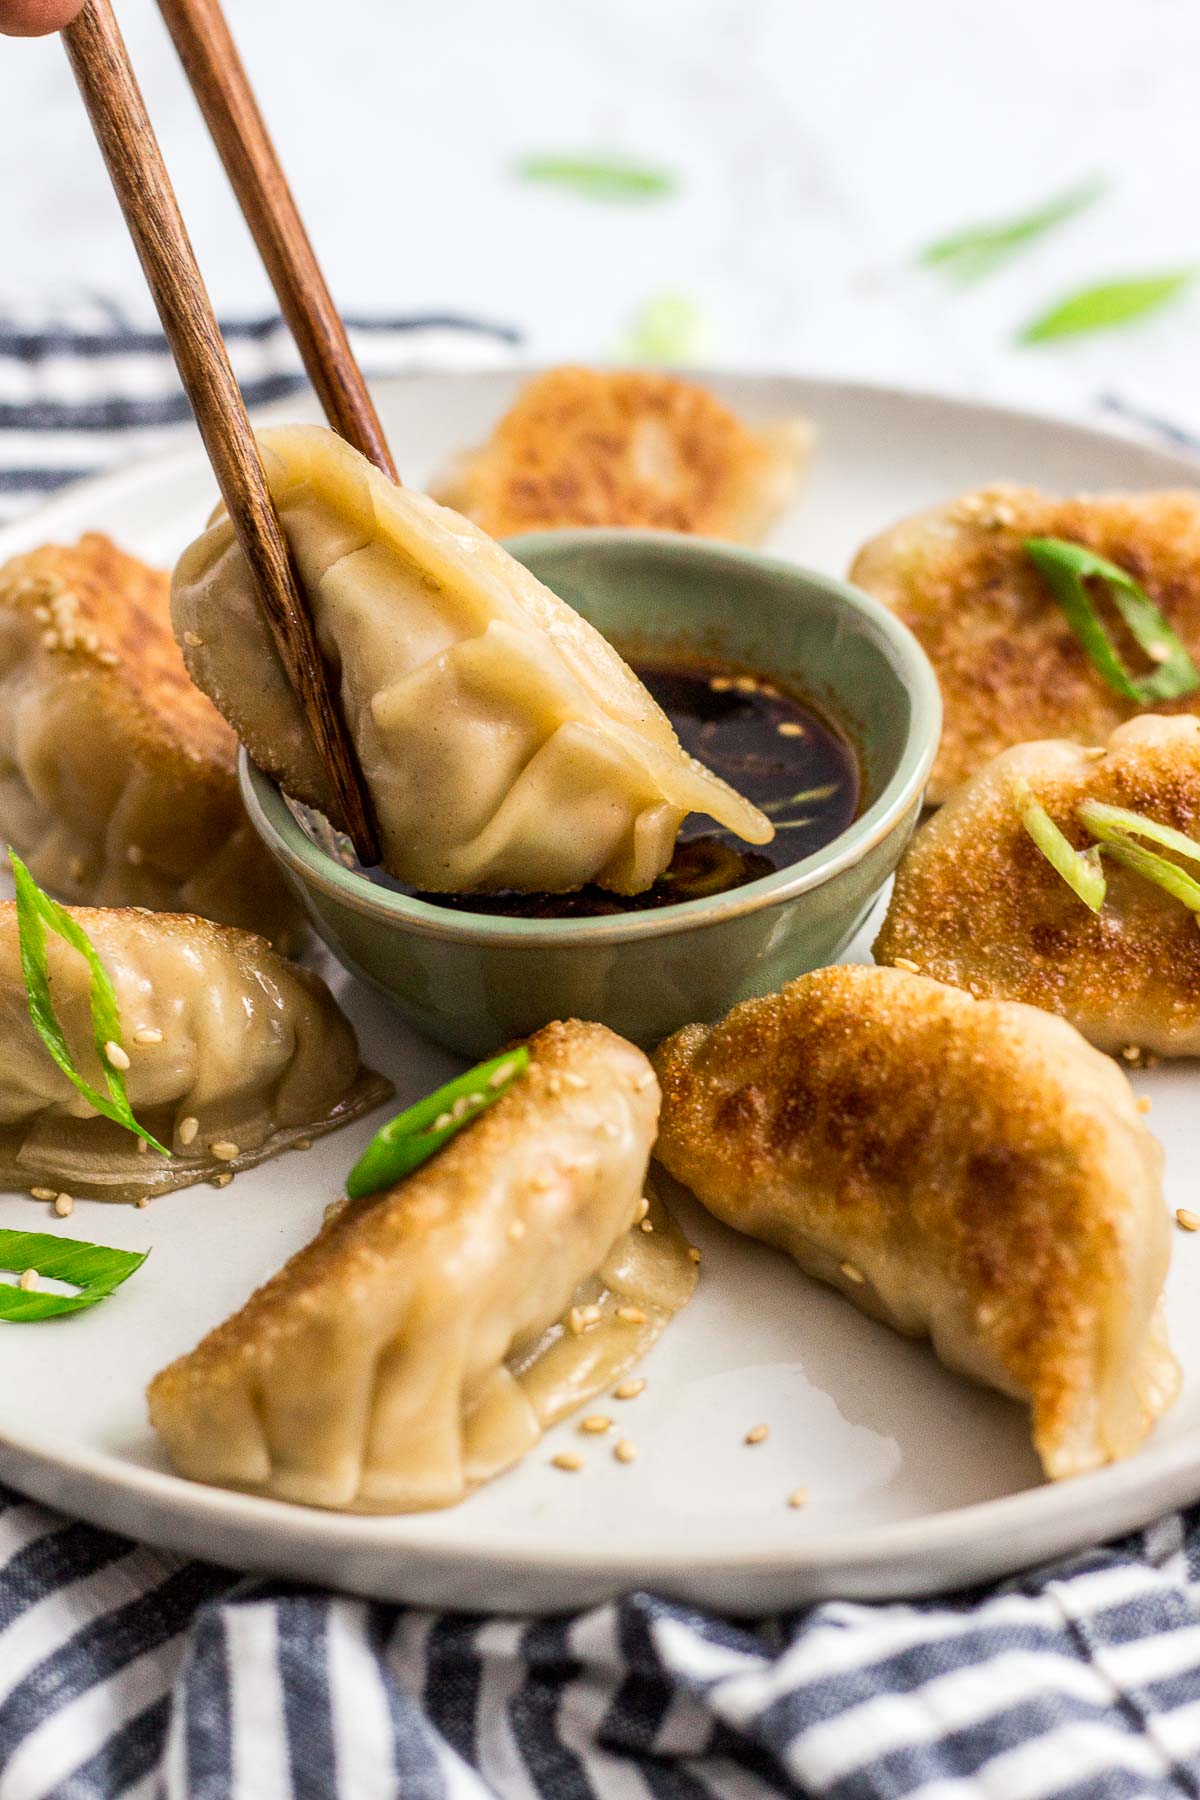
(472, 981)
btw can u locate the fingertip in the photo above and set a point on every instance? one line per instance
(35, 18)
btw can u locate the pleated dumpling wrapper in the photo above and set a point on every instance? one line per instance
(118, 778)
(964, 1170)
(504, 742)
(977, 904)
(234, 1055)
(427, 1337)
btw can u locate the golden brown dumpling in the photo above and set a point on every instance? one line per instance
(234, 1054)
(977, 904)
(963, 1170)
(1010, 667)
(118, 781)
(428, 1336)
(627, 447)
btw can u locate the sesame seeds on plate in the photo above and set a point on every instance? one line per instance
(1188, 1219)
(569, 1461)
(629, 1390)
(625, 1452)
(224, 1150)
(758, 1434)
(186, 1129)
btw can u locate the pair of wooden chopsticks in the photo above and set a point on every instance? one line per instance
(110, 91)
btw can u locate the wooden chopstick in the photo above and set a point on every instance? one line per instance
(222, 88)
(110, 92)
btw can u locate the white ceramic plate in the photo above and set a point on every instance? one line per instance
(917, 1480)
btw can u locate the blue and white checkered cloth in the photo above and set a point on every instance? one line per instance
(127, 1672)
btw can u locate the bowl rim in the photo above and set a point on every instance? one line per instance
(312, 866)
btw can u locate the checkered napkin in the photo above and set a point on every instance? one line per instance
(123, 1671)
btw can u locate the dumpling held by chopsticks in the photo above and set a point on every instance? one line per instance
(505, 744)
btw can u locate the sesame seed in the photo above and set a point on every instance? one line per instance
(302, 1144)
(582, 1318)
(572, 1080)
(142, 1202)
(1130, 1053)
(643, 1207)
(28, 1280)
(554, 1083)
(1144, 1104)
(906, 963)
(109, 658)
(460, 1108)
(499, 1076)
(50, 640)
(516, 1231)
(41, 1193)
(443, 1121)
(631, 1315)
(694, 1254)
(625, 1452)
(596, 1424)
(1189, 1220)
(720, 684)
(221, 1180)
(224, 1151)
(646, 1225)
(115, 1055)
(746, 684)
(629, 1390)
(42, 614)
(186, 1129)
(193, 639)
(569, 1460)
(142, 1147)
(758, 1434)
(798, 1497)
(147, 1034)
(645, 1080)
(133, 854)
(474, 1100)
(64, 1206)
(789, 728)
(852, 1272)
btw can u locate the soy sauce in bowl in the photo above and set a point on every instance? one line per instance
(763, 741)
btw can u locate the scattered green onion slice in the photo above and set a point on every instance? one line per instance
(668, 328)
(602, 178)
(1114, 824)
(411, 1138)
(93, 1268)
(1167, 875)
(1067, 568)
(972, 253)
(36, 911)
(1108, 304)
(1080, 869)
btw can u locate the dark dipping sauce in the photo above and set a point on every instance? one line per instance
(765, 743)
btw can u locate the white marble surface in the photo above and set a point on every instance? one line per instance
(816, 147)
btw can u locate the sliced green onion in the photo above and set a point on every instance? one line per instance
(602, 178)
(1113, 824)
(1166, 875)
(1066, 568)
(1110, 303)
(36, 911)
(1080, 869)
(668, 328)
(93, 1268)
(970, 254)
(411, 1138)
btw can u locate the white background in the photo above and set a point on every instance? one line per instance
(817, 145)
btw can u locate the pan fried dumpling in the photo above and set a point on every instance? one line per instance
(234, 1055)
(1010, 667)
(428, 1336)
(960, 1169)
(504, 742)
(627, 447)
(118, 781)
(977, 904)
